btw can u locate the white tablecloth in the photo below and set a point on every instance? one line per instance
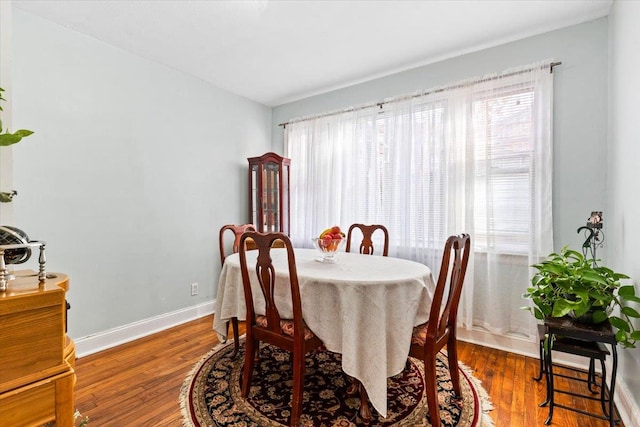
(363, 307)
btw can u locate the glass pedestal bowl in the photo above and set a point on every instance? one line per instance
(328, 248)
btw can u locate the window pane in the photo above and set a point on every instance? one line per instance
(503, 145)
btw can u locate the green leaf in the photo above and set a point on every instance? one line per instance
(570, 253)
(635, 335)
(6, 197)
(627, 291)
(621, 336)
(9, 139)
(562, 308)
(23, 132)
(599, 316)
(535, 280)
(565, 284)
(629, 311)
(631, 298)
(545, 311)
(553, 268)
(619, 323)
(594, 277)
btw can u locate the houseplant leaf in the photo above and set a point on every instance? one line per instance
(619, 323)
(23, 132)
(628, 293)
(599, 316)
(594, 277)
(9, 139)
(562, 308)
(567, 283)
(630, 311)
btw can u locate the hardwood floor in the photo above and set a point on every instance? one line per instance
(138, 383)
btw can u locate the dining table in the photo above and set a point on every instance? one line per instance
(362, 306)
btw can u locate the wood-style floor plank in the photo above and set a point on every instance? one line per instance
(138, 383)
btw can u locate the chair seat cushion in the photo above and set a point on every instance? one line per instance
(419, 335)
(286, 326)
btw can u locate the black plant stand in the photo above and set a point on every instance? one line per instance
(587, 341)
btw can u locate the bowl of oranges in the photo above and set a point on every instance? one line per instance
(330, 241)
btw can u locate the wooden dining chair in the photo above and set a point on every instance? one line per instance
(429, 338)
(237, 233)
(290, 334)
(366, 246)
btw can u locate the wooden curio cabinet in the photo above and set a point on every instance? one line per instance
(269, 193)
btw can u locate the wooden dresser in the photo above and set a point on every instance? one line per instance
(37, 358)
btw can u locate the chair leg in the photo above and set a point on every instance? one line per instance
(452, 356)
(298, 389)
(236, 344)
(431, 388)
(247, 372)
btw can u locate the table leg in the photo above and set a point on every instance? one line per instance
(357, 387)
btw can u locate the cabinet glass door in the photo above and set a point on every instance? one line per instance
(254, 217)
(271, 197)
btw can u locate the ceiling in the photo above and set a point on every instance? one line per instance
(275, 52)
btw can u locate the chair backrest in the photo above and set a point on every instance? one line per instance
(266, 274)
(366, 246)
(237, 231)
(442, 320)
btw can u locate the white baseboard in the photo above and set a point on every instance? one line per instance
(123, 334)
(624, 400)
(628, 409)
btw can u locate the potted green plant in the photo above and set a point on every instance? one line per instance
(567, 283)
(8, 138)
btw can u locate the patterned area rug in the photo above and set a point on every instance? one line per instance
(210, 395)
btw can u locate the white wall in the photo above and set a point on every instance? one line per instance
(623, 221)
(131, 171)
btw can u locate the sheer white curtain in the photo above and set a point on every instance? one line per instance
(474, 157)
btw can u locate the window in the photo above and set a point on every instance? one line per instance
(504, 168)
(474, 157)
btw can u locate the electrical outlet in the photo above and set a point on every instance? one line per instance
(194, 289)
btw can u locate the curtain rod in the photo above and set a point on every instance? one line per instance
(455, 86)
